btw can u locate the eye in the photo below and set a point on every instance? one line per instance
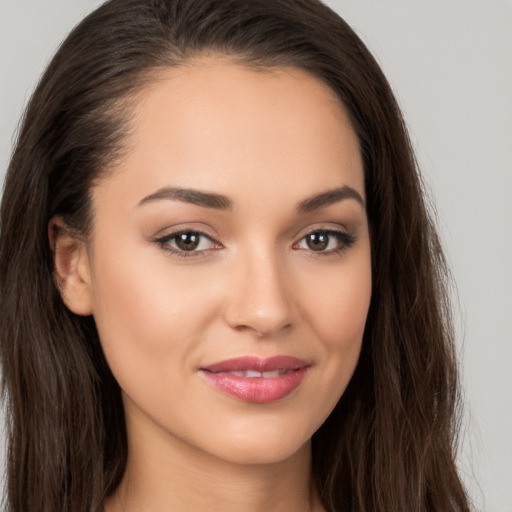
(187, 241)
(325, 241)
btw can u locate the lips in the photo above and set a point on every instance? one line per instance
(257, 380)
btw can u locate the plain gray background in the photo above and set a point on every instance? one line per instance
(450, 64)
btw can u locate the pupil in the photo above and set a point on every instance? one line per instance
(318, 241)
(187, 241)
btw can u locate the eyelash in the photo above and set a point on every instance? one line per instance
(345, 241)
(164, 243)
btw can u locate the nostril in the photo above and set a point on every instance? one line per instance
(261, 332)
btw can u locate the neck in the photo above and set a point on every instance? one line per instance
(163, 473)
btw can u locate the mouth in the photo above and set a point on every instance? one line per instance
(257, 380)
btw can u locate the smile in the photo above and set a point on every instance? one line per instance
(257, 380)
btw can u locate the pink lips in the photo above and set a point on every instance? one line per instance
(257, 380)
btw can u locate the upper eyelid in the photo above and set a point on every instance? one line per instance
(166, 239)
(329, 231)
(299, 236)
(323, 227)
(169, 235)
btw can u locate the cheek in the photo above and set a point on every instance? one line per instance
(339, 301)
(337, 313)
(148, 318)
(342, 313)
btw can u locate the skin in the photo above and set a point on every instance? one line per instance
(267, 140)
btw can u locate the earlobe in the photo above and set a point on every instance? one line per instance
(71, 267)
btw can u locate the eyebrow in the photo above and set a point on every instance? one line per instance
(329, 197)
(221, 202)
(187, 195)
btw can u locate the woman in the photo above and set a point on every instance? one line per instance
(220, 285)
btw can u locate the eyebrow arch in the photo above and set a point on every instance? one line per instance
(187, 195)
(329, 197)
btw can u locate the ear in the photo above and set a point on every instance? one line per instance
(71, 267)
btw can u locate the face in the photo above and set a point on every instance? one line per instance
(229, 261)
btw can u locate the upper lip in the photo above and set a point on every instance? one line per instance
(260, 364)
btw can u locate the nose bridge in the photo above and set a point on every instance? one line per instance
(259, 296)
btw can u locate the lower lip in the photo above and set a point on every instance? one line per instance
(258, 390)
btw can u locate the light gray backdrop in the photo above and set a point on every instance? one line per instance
(450, 64)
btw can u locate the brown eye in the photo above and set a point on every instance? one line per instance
(185, 243)
(325, 241)
(317, 241)
(188, 241)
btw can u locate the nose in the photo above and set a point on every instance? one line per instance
(259, 298)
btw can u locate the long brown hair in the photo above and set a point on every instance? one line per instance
(389, 445)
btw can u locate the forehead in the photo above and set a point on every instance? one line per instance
(219, 126)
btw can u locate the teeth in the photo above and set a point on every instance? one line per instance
(246, 373)
(252, 374)
(238, 374)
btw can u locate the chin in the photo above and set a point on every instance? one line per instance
(266, 445)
